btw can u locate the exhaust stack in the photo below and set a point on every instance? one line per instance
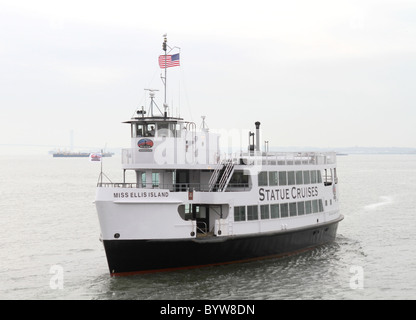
(257, 136)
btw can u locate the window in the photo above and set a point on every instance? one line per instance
(264, 211)
(313, 176)
(318, 173)
(252, 213)
(308, 207)
(163, 129)
(143, 179)
(299, 177)
(274, 211)
(240, 213)
(140, 130)
(306, 177)
(291, 178)
(320, 205)
(262, 178)
(155, 179)
(150, 130)
(301, 208)
(273, 178)
(314, 206)
(282, 178)
(239, 179)
(284, 210)
(292, 209)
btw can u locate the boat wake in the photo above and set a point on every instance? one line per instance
(384, 200)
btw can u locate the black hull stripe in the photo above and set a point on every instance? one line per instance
(128, 257)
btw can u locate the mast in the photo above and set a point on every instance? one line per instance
(164, 47)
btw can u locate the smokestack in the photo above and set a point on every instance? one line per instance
(257, 136)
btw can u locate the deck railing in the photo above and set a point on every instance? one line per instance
(130, 157)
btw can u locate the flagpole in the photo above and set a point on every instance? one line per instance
(165, 49)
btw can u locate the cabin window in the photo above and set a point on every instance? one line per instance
(273, 178)
(284, 210)
(314, 206)
(262, 178)
(240, 213)
(318, 175)
(274, 211)
(308, 207)
(291, 178)
(264, 211)
(313, 176)
(143, 178)
(306, 177)
(301, 208)
(292, 209)
(252, 213)
(155, 179)
(299, 177)
(239, 179)
(282, 178)
(320, 205)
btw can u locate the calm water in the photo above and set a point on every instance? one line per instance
(49, 246)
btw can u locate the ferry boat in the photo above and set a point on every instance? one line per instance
(192, 205)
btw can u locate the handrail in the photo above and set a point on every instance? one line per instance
(176, 187)
(129, 157)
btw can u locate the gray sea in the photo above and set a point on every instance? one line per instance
(50, 248)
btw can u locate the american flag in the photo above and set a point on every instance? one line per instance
(171, 61)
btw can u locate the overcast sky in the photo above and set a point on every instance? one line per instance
(314, 73)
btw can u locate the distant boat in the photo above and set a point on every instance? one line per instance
(66, 154)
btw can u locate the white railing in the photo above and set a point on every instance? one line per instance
(129, 157)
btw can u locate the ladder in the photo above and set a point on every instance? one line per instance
(221, 176)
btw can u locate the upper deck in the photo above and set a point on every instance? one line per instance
(132, 159)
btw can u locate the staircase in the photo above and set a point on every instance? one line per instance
(221, 176)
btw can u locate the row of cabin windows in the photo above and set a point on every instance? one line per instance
(274, 211)
(287, 178)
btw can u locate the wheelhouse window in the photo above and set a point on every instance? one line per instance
(163, 129)
(150, 130)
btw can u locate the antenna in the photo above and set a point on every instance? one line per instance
(152, 101)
